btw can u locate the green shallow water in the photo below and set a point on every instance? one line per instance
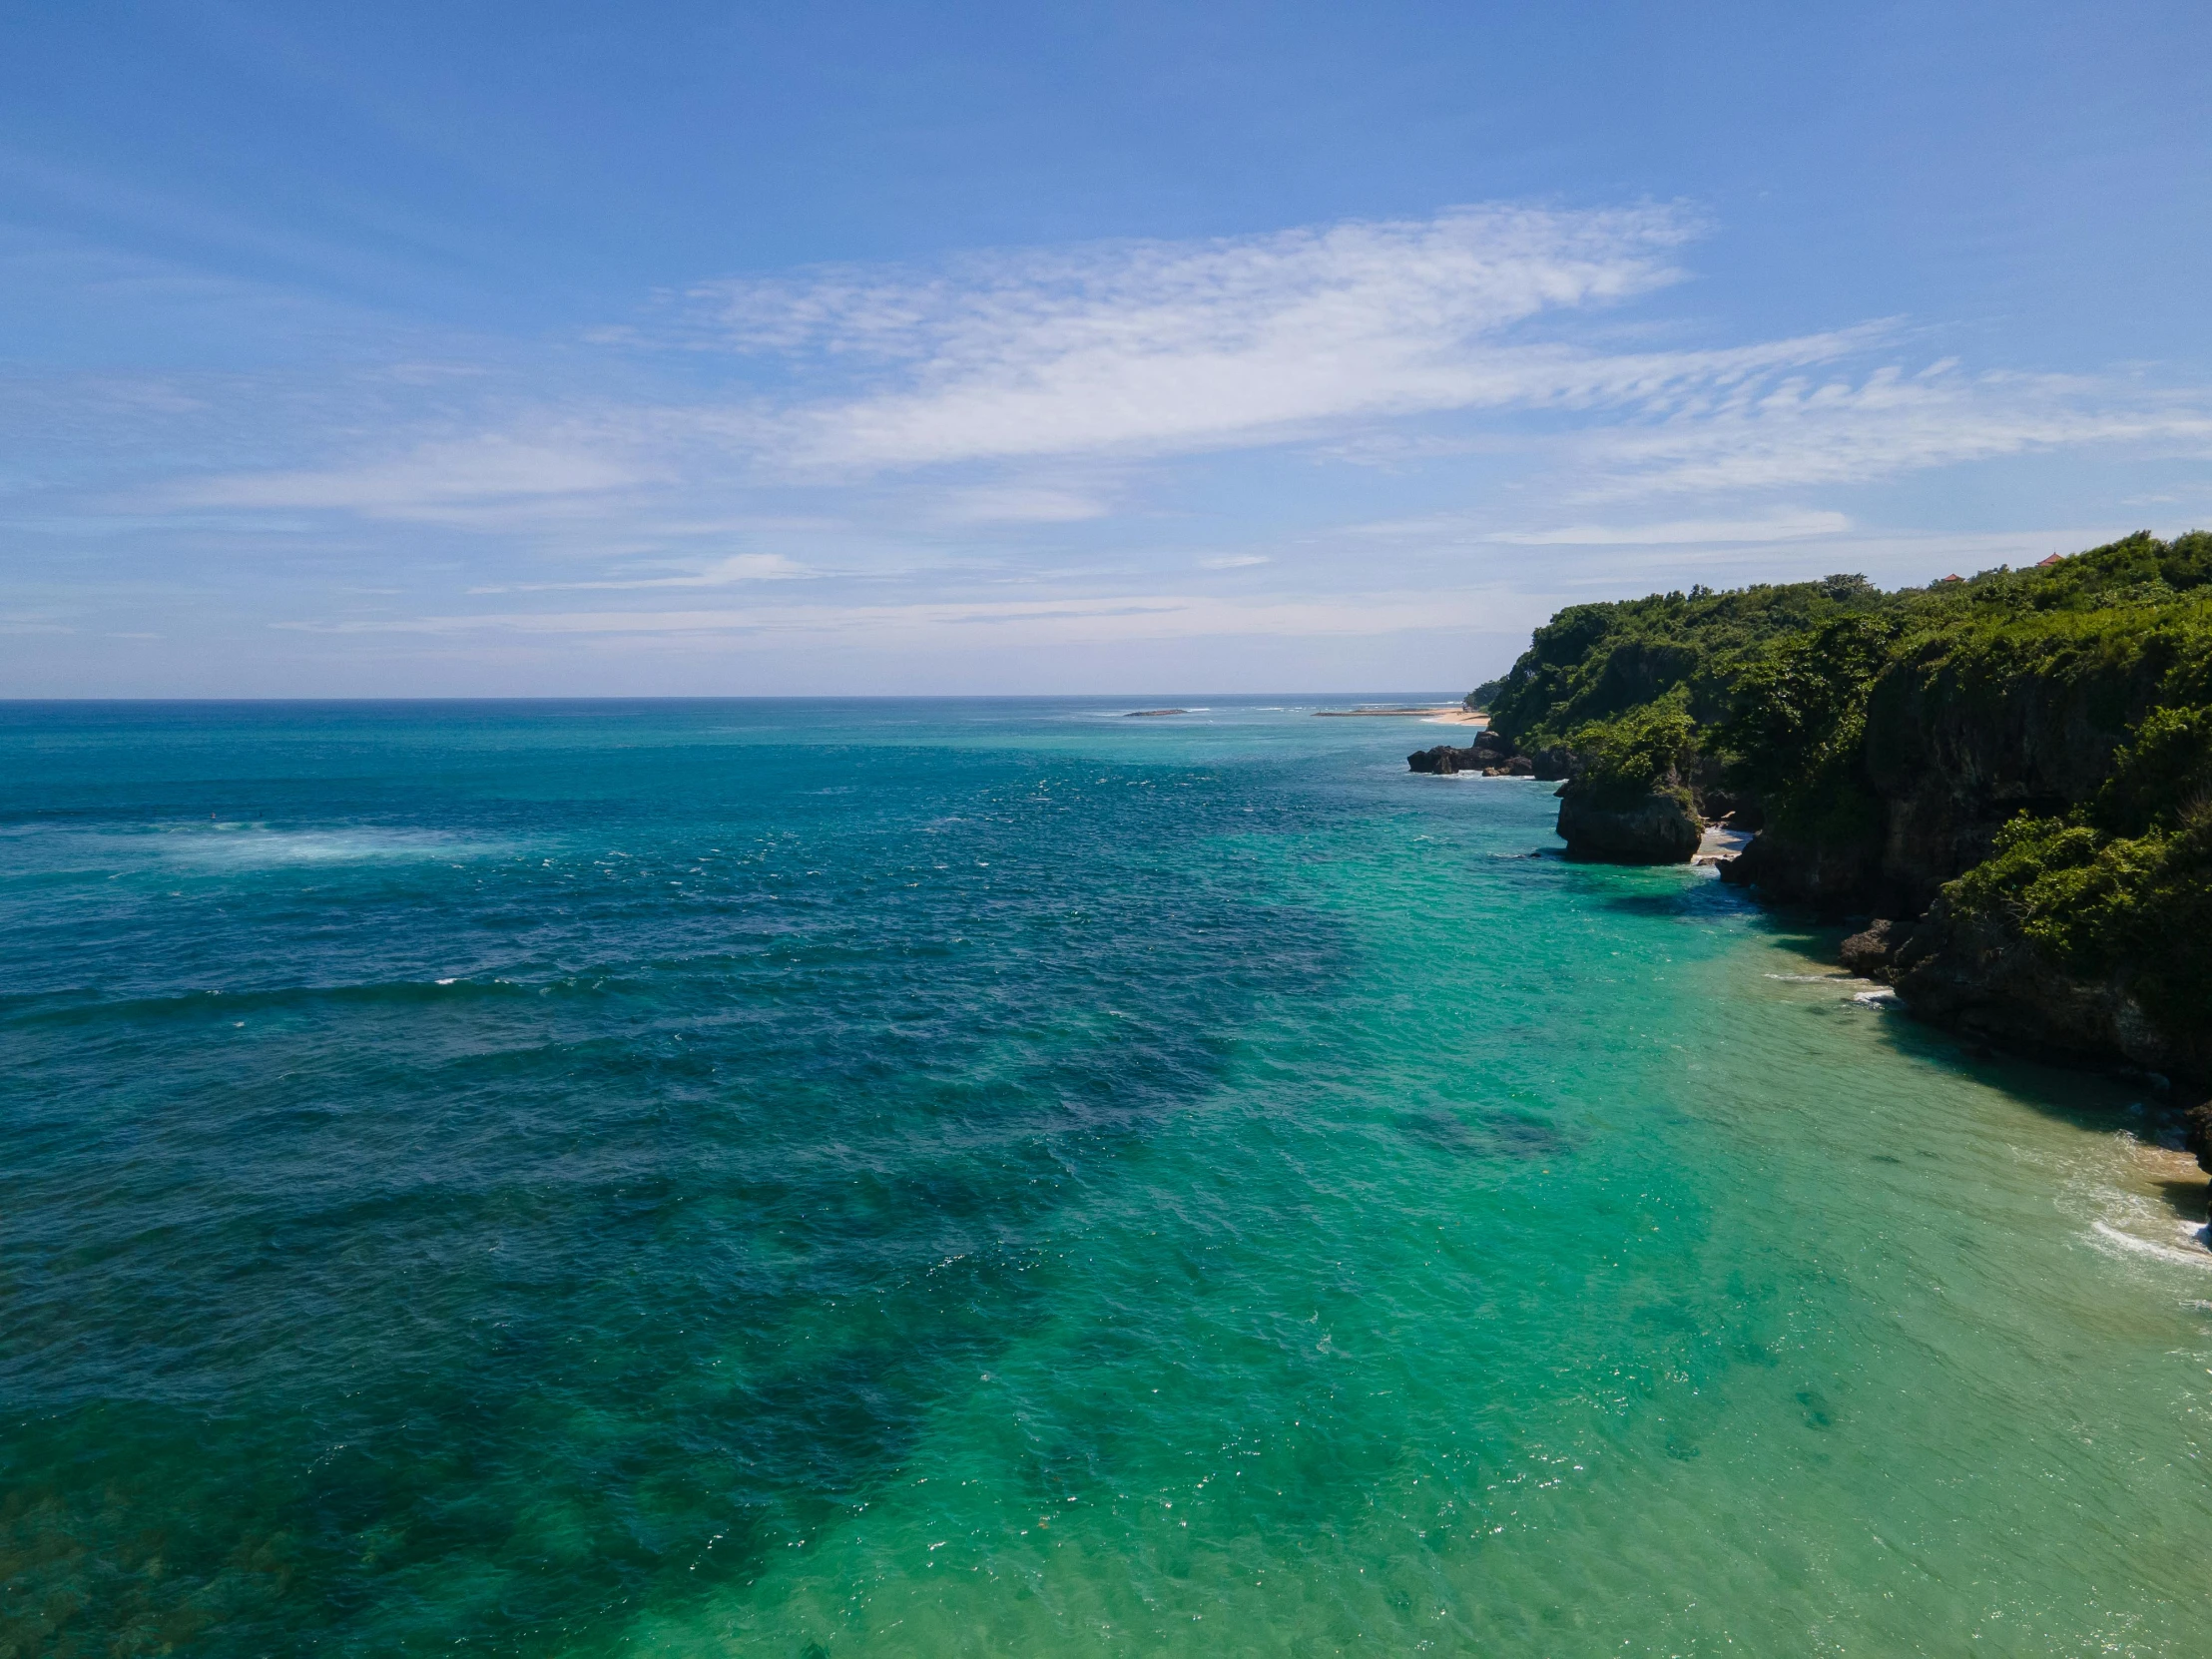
(996, 1179)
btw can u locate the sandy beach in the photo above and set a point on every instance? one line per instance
(1448, 713)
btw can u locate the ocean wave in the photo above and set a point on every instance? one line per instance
(255, 846)
(2196, 1252)
(218, 846)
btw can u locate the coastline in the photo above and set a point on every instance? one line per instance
(1997, 781)
(2003, 996)
(1444, 714)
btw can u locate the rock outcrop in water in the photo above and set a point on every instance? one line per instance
(1490, 755)
(1872, 952)
(1654, 827)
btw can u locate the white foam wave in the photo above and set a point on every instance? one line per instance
(254, 847)
(2193, 1254)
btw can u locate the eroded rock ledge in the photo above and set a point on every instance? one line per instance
(1489, 755)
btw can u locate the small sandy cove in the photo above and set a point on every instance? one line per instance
(1448, 713)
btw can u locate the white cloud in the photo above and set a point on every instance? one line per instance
(1153, 348)
(1031, 621)
(1780, 527)
(741, 567)
(1232, 561)
(446, 481)
(1037, 373)
(1019, 504)
(1767, 434)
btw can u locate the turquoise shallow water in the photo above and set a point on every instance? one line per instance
(936, 1178)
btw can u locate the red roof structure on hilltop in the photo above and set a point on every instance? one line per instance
(2045, 564)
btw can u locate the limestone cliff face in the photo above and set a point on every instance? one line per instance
(1979, 975)
(1658, 828)
(1952, 751)
(1956, 748)
(1834, 876)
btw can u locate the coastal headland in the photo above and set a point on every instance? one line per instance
(2002, 781)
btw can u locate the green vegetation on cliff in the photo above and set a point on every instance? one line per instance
(1650, 750)
(1592, 663)
(2120, 886)
(2031, 750)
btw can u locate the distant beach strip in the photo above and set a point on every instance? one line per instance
(1446, 714)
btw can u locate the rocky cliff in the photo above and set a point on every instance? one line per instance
(2011, 775)
(1652, 827)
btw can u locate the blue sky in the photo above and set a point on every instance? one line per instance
(460, 350)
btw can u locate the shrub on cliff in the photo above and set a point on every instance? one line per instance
(1647, 752)
(1797, 725)
(2136, 911)
(1596, 662)
(1591, 663)
(2121, 889)
(2163, 779)
(1479, 701)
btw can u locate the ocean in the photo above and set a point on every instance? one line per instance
(972, 1178)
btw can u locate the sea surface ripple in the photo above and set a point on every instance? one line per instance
(906, 1177)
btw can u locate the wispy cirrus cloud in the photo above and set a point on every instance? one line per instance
(1006, 393)
(1153, 348)
(1091, 354)
(446, 480)
(1791, 527)
(740, 567)
(1792, 431)
(1034, 620)
(1019, 503)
